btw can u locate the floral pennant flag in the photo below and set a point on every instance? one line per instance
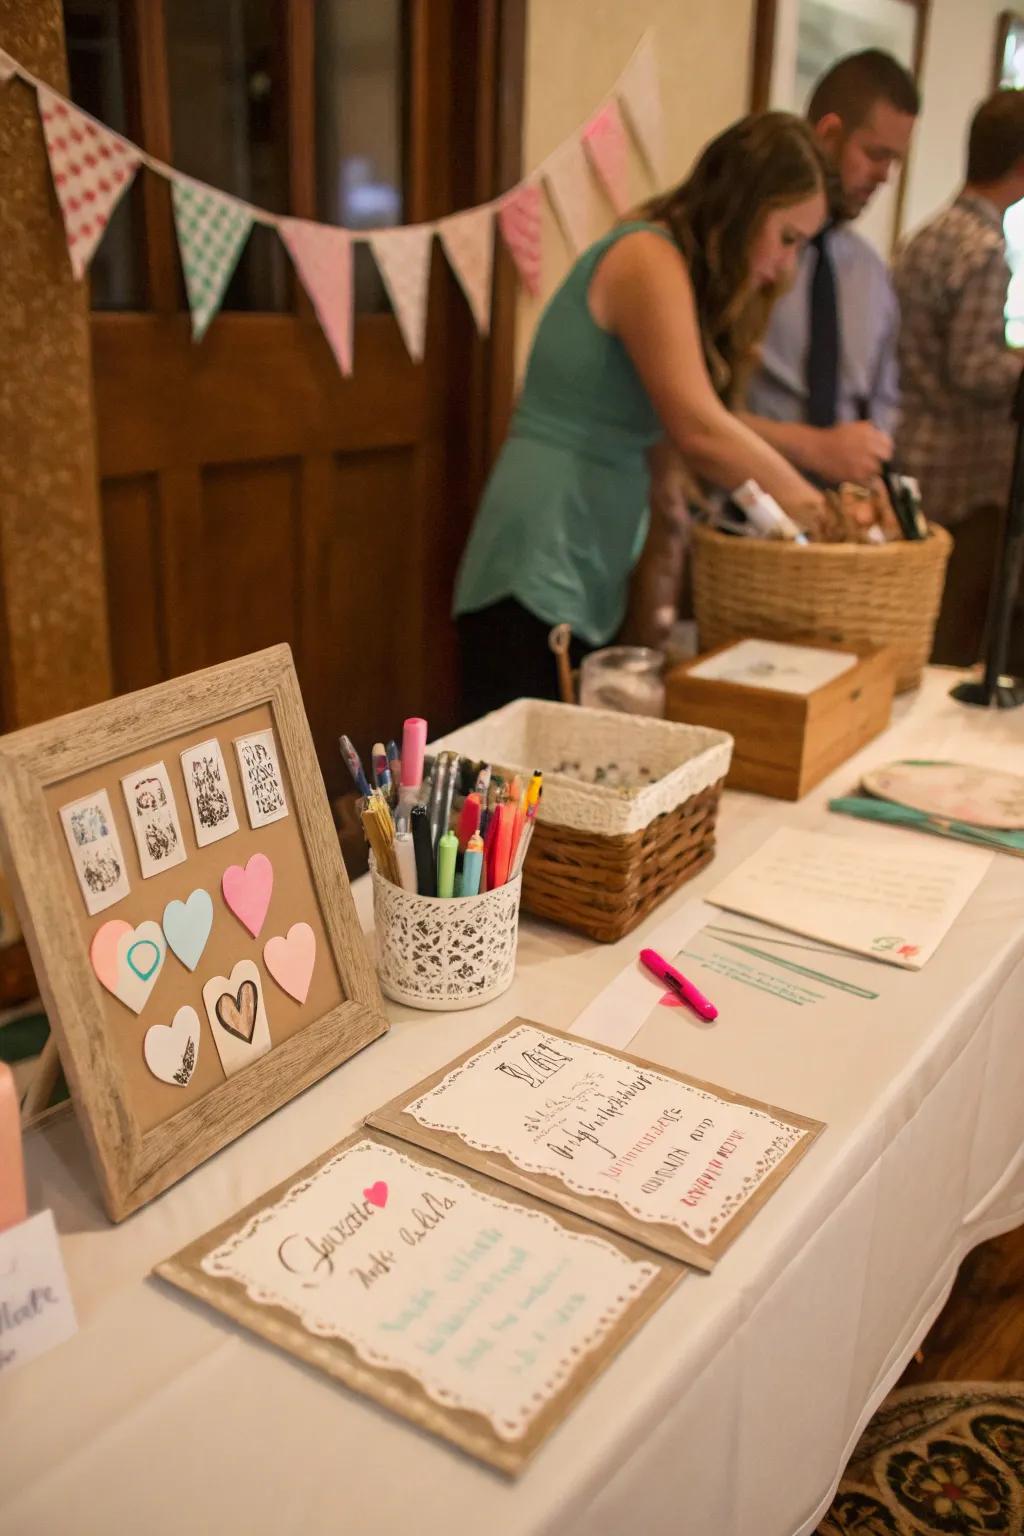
(573, 194)
(8, 68)
(640, 93)
(323, 259)
(519, 222)
(92, 169)
(604, 139)
(403, 257)
(468, 240)
(212, 230)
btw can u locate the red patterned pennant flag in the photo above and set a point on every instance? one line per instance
(403, 257)
(92, 169)
(519, 222)
(640, 92)
(468, 239)
(604, 139)
(323, 259)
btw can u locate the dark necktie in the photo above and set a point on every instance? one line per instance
(823, 350)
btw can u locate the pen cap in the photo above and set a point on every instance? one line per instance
(414, 740)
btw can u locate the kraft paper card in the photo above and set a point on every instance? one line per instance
(474, 1311)
(869, 895)
(668, 1160)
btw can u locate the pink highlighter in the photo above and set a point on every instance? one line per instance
(677, 982)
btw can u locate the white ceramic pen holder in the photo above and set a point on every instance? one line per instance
(445, 953)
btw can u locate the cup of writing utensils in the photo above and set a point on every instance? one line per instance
(445, 953)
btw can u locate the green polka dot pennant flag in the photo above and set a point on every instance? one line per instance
(212, 229)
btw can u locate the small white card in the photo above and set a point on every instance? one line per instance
(863, 894)
(154, 817)
(775, 665)
(209, 792)
(36, 1310)
(95, 851)
(262, 784)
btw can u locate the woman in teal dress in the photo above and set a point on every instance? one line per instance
(652, 334)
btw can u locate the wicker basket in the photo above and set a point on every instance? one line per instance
(858, 594)
(603, 856)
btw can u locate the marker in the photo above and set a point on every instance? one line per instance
(414, 740)
(502, 845)
(405, 853)
(469, 819)
(426, 877)
(354, 765)
(677, 983)
(472, 865)
(447, 851)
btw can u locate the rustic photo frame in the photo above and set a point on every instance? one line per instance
(141, 1145)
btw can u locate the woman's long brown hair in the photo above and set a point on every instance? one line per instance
(765, 161)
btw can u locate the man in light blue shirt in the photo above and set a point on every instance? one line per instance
(827, 391)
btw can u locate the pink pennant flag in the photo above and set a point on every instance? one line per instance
(92, 169)
(403, 258)
(573, 194)
(640, 93)
(8, 68)
(519, 222)
(604, 139)
(323, 259)
(468, 240)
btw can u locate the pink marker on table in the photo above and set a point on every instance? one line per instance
(414, 740)
(678, 983)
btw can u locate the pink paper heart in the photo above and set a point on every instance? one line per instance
(377, 1194)
(290, 961)
(247, 891)
(103, 952)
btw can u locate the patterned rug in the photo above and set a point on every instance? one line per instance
(942, 1460)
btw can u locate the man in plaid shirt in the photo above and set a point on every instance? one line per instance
(958, 377)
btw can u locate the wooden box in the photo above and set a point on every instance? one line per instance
(785, 743)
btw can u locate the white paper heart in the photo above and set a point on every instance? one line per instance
(128, 960)
(172, 1050)
(237, 1014)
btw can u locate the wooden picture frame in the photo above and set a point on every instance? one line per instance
(140, 1142)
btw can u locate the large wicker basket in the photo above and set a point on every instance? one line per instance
(860, 594)
(603, 856)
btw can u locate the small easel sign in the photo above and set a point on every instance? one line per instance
(188, 914)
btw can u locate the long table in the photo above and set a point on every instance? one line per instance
(732, 1411)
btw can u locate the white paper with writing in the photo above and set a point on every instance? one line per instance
(36, 1310)
(775, 665)
(487, 1305)
(262, 784)
(862, 893)
(96, 851)
(665, 1151)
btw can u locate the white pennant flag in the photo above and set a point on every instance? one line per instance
(212, 230)
(323, 258)
(468, 239)
(573, 194)
(8, 68)
(640, 94)
(92, 169)
(403, 258)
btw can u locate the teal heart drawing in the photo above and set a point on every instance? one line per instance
(187, 926)
(143, 970)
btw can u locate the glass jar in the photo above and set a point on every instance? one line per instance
(628, 678)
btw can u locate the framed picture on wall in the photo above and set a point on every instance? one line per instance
(796, 41)
(1008, 69)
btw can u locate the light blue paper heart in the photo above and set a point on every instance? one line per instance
(187, 926)
(143, 970)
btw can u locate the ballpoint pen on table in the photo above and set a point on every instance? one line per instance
(354, 765)
(678, 983)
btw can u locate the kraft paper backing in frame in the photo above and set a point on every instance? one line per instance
(293, 900)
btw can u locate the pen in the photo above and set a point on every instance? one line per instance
(469, 819)
(472, 865)
(395, 766)
(447, 849)
(678, 983)
(405, 853)
(381, 771)
(448, 792)
(423, 847)
(414, 739)
(354, 765)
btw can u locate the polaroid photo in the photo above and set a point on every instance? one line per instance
(95, 851)
(261, 777)
(209, 792)
(154, 818)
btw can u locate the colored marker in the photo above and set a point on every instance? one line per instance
(472, 865)
(447, 852)
(423, 847)
(677, 982)
(414, 740)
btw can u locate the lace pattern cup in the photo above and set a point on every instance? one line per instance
(444, 954)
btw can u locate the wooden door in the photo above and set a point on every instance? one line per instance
(250, 494)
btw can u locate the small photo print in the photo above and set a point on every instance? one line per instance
(154, 818)
(261, 777)
(95, 851)
(209, 792)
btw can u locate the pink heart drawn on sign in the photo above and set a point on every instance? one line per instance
(247, 891)
(290, 961)
(103, 952)
(377, 1194)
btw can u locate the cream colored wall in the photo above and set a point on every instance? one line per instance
(575, 51)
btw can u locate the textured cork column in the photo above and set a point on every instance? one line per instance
(54, 652)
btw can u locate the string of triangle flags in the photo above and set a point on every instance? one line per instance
(92, 168)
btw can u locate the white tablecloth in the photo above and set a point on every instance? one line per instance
(733, 1409)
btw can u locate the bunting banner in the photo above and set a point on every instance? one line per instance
(212, 230)
(8, 67)
(640, 93)
(468, 240)
(92, 169)
(403, 259)
(519, 221)
(604, 139)
(322, 256)
(571, 189)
